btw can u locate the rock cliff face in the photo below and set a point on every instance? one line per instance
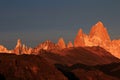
(99, 33)
(115, 48)
(18, 48)
(47, 45)
(79, 40)
(61, 43)
(21, 48)
(98, 36)
(3, 49)
(69, 45)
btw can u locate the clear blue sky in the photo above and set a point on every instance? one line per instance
(35, 21)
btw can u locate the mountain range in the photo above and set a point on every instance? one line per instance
(92, 56)
(98, 36)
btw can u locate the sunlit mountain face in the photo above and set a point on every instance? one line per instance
(91, 56)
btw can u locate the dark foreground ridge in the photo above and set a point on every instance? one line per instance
(27, 67)
(81, 63)
(84, 72)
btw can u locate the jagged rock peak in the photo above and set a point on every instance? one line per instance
(79, 40)
(18, 47)
(19, 44)
(3, 49)
(21, 48)
(80, 32)
(44, 45)
(99, 32)
(47, 46)
(61, 43)
(47, 43)
(100, 24)
(69, 44)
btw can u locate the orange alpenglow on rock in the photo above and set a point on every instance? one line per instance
(18, 48)
(47, 45)
(3, 49)
(99, 33)
(98, 36)
(69, 44)
(79, 40)
(61, 43)
(21, 49)
(114, 48)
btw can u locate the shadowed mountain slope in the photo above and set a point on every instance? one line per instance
(27, 67)
(84, 72)
(84, 55)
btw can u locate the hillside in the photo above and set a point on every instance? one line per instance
(27, 67)
(84, 55)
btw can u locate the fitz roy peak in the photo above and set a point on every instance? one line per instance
(99, 36)
(98, 30)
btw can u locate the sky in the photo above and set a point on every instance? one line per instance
(35, 21)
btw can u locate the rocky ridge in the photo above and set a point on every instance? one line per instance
(98, 36)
